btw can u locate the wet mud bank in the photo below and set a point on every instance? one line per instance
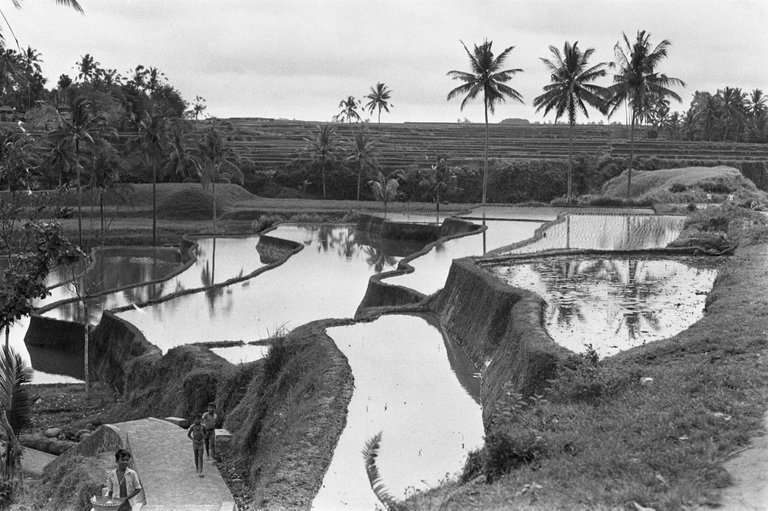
(500, 327)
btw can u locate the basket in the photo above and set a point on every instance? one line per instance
(106, 503)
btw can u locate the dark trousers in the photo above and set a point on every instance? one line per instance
(198, 457)
(210, 442)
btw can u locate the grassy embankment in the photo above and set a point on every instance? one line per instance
(649, 427)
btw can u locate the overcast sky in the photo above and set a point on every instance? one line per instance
(297, 59)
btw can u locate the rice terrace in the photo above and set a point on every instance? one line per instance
(507, 277)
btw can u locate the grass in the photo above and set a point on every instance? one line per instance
(690, 184)
(650, 427)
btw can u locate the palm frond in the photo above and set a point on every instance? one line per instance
(370, 453)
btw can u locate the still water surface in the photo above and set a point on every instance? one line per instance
(407, 386)
(327, 279)
(615, 304)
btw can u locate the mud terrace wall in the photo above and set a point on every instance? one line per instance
(114, 343)
(55, 334)
(498, 325)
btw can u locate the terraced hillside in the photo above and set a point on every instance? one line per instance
(272, 143)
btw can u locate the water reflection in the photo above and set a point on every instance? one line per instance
(607, 232)
(405, 386)
(432, 268)
(217, 260)
(615, 304)
(327, 279)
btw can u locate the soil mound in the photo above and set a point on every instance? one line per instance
(194, 203)
(689, 184)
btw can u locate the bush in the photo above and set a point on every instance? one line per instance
(677, 188)
(504, 452)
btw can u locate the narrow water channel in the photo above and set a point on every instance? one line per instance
(407, 386)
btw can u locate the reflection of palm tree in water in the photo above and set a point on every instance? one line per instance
(346, 246)
(378, 258)
(635, 296)
(564, 299)
(569, 284)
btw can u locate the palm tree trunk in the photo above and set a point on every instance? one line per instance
(359, 173)
(154, 204)
(322, 173)
(485, 159)
(631, 152)
(79, 209)
(570, 161)
(86, 366)
(213, 187)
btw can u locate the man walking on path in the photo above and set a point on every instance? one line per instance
(209, 425)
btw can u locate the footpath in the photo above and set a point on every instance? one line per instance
(162, 456)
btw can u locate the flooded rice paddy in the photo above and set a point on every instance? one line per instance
(406, 386)
(614, 304)
(606, 232)
(411, 382)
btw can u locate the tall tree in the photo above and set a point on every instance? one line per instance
(571, 90)
(87, 68)
(349, 111)
(637, 77)
(323, 148)
(180, 163)
(756, 103)
(215, 165)
(733, 102)
(151, 129)
(385, 189)
(81, 129)
(364, 152)
(378, 99)
(487, 77)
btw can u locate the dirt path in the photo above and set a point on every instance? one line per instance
(749, 470)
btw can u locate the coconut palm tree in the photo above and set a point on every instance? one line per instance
(637, 77)
(733, 102)
(364, 153)
(385, 189)
(349, 111)
(571, 90)
(87, 68)
(486, 77)
(151, 130)
(378, 99)
(756, 103)
(81, 129)
(179, 162)
(322, 148)
(214, 165)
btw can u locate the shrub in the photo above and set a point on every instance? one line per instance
(504, 452)
(691, 207)
(677, 188)
(473, 467)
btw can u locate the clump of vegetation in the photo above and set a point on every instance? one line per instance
(686, 185)
(73, 484)
(721, 229)
(190, 204)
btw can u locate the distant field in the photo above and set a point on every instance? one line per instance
(273, 143)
